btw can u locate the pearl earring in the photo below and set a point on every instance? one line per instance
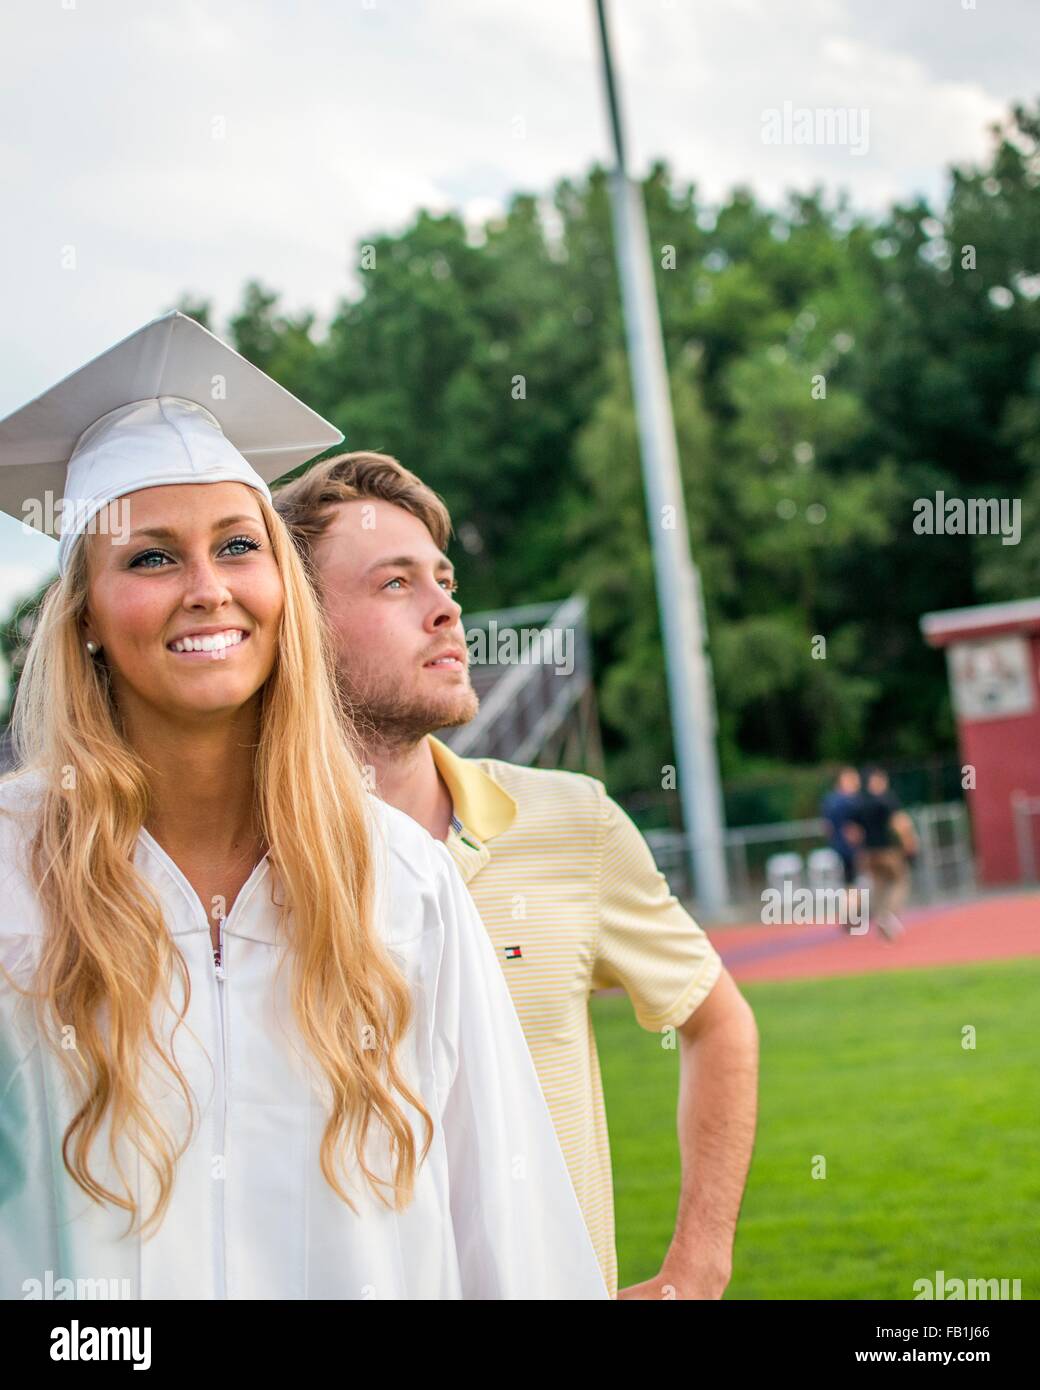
(92, 648)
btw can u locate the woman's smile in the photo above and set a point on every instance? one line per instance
(211, 644)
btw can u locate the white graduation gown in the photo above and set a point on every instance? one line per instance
(251, 1217)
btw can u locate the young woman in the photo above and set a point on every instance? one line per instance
(254, 1041)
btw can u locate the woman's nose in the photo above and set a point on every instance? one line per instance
(204, 584)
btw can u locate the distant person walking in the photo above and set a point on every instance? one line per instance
(844, 835)
(889, 842)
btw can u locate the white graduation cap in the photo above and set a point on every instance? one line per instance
(169, 404)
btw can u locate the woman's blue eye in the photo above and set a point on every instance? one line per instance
(247, 541)
(139, 561)
(135, 563)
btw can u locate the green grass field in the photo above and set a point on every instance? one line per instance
(931, 1150)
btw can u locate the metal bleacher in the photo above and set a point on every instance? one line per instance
(534, 708)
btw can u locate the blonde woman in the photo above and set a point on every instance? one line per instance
(254, 1042)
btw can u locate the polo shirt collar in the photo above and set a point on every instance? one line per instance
(484, 808)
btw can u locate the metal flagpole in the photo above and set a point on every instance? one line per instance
(679, 598)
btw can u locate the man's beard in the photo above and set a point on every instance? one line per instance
(381, 714)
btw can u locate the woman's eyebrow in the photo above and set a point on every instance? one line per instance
(164, 533)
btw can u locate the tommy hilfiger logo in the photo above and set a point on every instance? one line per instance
(512, 952)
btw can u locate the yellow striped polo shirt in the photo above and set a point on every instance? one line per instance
(573, 902)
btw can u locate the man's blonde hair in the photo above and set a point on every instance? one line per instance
(305, 504)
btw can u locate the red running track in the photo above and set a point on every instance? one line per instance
(995, 928)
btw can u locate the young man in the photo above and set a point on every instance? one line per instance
(564, 882)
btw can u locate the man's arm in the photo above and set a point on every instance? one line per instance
(718, 1087)
(653, 949)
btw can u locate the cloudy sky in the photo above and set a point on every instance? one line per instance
(183, 146)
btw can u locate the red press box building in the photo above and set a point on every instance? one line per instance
(993, 659)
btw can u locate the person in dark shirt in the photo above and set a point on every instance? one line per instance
(888, 842)
(843, 833)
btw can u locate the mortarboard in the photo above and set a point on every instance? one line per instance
(169, 404)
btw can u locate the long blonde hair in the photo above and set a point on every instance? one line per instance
(106, 945)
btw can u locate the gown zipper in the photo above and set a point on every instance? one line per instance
(219, 957)
(220, 1253)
